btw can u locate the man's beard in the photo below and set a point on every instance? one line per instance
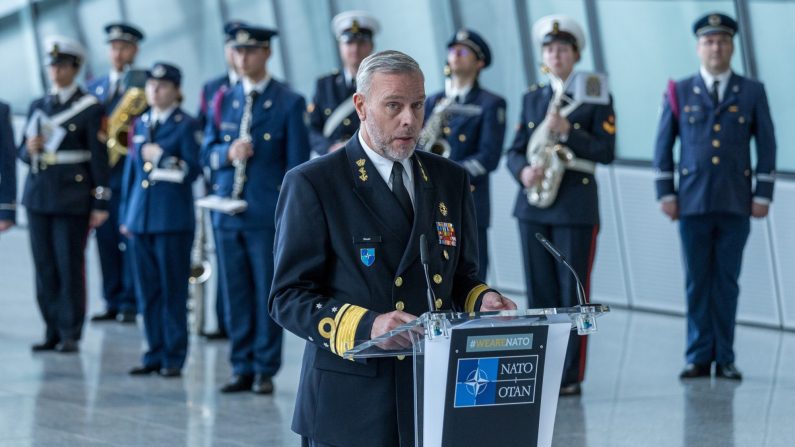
(381, 143)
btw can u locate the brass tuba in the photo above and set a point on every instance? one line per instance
(132, 104)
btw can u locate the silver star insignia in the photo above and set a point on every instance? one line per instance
(319, 306)
(310, 338)
(334, 309)
(325, 344)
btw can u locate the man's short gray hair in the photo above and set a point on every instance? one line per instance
(389, 61)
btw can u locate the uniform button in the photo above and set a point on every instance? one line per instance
(716, 127)
(716, 143)
(446, 255)
(346, 122)
(398, 281)
(462, 138)
(145, 184)
(437, 278)
(692, 120)
(266, 137)
(472, 188)
(747, 172)
(685, 171)
(741, 119)
(715, 160)
(78, 178)
(216, 186)
(227, 138)
(439, 303)
(399, 305)
(585, 180)
(147, 166)
(43, 167)
(401, 357)
(576, 126)
(687, 109)
(531, 125)
(72, 127)
(446, 130)
(327, 112)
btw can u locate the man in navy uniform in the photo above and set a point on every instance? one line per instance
(714, 113)
(209, 92)
(347, 259)
(475, 139)
(332, 117)
(66, 193)
(571, 222)
(257, 124)
(8, 170)
(117, 282)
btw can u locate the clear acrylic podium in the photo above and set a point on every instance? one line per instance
(485, 378)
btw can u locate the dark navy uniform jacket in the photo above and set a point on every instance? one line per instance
(69, 188)
(159, 206)
(476, 142)
(279, 135)
(209, 90)
(592, 137)
(344, 254)
(330, 91)
(8, 166)
(715, 163)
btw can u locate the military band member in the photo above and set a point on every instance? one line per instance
(66, 193)
(209, 92)
(117, 281)
(347, 259)
(332, 117)
(475, 140)
(157, 216)
(8, 170)
(258, 124)
(715, 113)
(571, 223)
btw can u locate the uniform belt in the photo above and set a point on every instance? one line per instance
(578, 164)
(65, 157)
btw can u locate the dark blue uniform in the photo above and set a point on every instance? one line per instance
(59, 198)
(332, 212)
(476, 143)
(117, 277)
(330, 92)
(160, 216)
(8, 166)
(571, 223)
(714, 194)
(245, 247)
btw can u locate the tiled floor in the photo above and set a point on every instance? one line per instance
(632, 396)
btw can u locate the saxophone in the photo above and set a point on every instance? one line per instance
(430, 138)
(545, 151)
(132, 104)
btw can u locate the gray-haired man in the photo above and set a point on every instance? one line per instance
(348, 227)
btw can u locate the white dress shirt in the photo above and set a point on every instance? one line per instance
(384, 167)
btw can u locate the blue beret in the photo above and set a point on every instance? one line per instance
(230, 28)
(715, 23)
(473, 41)
(123, 31)
(165, 72)
(252, 36)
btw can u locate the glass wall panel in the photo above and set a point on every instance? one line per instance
(776, 68)
(20, 85)
(92, 16)
(645, 44)
(56, 18)
(261, 13)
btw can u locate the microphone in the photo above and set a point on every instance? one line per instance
(424, 261)
(559, 257)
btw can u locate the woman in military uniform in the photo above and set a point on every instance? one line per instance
(571, 222)
(158, 218)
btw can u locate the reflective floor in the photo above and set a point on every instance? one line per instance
(631, 396)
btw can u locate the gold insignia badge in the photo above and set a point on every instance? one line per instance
(355, 26)
(159, 71)
(326, 327)
(360, 162)
(734, 109)
(462, 35)
(443, 209)
(55, 50)
(609, 128)
(422, 170)
(242, 36)
(555, 27)
(714, 20)
(363, 172)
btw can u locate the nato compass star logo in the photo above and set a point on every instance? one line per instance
(476, 382)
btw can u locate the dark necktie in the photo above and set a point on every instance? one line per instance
(714, 93)
(153, 129)
(55, 101)
(400, 191)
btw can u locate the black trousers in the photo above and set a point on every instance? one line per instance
(551, 284)
(58, 244)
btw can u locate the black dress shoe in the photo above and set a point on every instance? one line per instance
(728, 372)
(572, 389)
(108, 315)
(46, 345)
(67, 347)
(217, 335)
(262, 384)
(144, 370)
(125, 317)
(694, 370)
(239, 383)
(170, 372)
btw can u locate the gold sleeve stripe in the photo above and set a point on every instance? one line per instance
(474, 294)
(346, 331)
(337, 319)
